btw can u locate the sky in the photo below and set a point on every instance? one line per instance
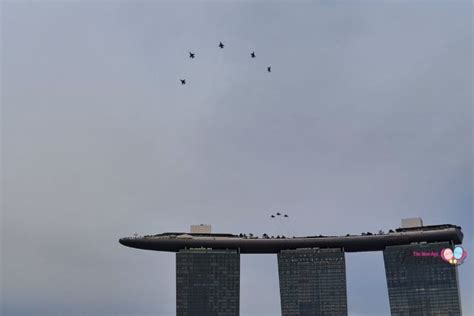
(365, 119)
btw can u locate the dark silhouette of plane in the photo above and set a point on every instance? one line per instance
(278, 214)
(285, 215)
(183, 81)
(191, 55)
(269, 69)
(273, 216)
(252, 54)
(221, 45)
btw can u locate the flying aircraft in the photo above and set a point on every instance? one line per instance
(273, 216)
(278, 214)
(252, 54)
(191, 55)
(221, 45)
(285, 215)
(269, 69)
(183, 81)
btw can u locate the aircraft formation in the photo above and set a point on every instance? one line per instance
(221, 45)
(278, 214)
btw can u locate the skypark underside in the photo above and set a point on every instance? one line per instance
(352, 243)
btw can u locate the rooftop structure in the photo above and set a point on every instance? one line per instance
(420, 264)
(175, 241)
(201, 229)
(412, 222)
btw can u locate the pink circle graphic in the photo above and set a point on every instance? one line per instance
(447, 254)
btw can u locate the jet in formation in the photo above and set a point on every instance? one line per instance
(221, 46)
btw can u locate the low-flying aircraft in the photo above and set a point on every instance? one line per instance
(183, 81)
(269, 69)
(252, 54)
(221, 45)
(191, 55)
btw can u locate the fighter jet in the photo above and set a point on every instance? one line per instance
(191, 55)
(252, 54)
(221, 45)
(278, 213)
(273, 216)
(269, 69)
(285, 215)
(183, 81)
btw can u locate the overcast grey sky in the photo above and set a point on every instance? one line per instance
(365, 119)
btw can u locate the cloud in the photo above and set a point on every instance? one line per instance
(364, 120)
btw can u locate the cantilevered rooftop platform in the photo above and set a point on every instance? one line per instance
(175, 241)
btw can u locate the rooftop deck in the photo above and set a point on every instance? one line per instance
(173, 242)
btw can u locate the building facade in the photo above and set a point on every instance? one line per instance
(420, 282)
(207, 282)
(421, 279)
(312, 282)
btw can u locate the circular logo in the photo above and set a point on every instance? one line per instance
(454, 257)
(447, 254)
(458, 252)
